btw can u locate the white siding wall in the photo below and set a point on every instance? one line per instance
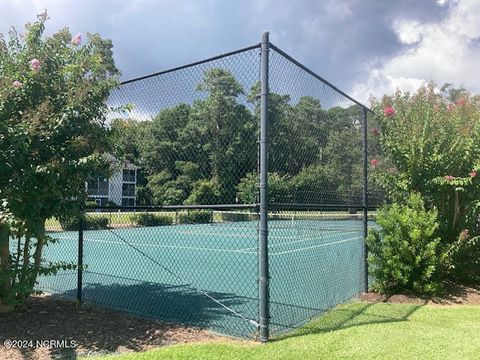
(115, 187)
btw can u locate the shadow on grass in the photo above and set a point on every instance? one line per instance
(351, 315)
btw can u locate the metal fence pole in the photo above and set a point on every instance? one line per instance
(365, 192)
(80, 260)
(263, 226)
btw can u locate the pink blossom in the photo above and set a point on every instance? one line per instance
(461, 101)
(389, 111)
(449, 178)
(464, 234)
(35, 65)
(473, 174)
(17, 84)
(375, 131)
(374, 162)
(77, 39)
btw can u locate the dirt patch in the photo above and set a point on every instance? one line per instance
(94, 330)
(455, 295)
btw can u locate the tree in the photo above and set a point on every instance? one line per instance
(228, 129)
(53, 136)
(126, 135)
(430, 146)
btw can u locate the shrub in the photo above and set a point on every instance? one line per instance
(238, 216)
(195, 217)
(91, 204)
(405, 254)
(148, 219)
(464, 259)
(90, 223)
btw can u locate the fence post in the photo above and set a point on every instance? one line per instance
(80, 260)
(365, 193)
(263, 276)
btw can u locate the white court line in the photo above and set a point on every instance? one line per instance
(212, 234)
(315, 246)
(245, 251)
(291, 242)
(318, 232)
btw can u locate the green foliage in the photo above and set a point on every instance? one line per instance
(148, 219)
(405, 253)
(195, 217)
(429, 144)
(71, 223)
(52, 138)
(204, 192)
(91, 204)
(464, 259)
(247, 188)
(238, 216)
(206, 152)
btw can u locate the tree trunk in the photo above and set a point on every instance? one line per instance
(5, 279)
(37, 255)
(456, 213)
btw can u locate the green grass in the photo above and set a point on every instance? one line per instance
(354, 331)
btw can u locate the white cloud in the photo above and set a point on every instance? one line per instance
(408, 32)
(446, 51)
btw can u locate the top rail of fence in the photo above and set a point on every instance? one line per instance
(213, 58)
(248, 48)
(311, 72)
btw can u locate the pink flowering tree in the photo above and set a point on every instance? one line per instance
(430, 145)
(53, 93)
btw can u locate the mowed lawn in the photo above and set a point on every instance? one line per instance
(354, 331)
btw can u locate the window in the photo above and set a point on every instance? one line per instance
(128, 175)
(128, 202)
(97, 187)
(103, 187)
(128, 190)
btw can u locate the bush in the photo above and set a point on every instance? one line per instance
(90, 223)
(464, 259)
(405, 254)
(238, 216)
(148, 219)
(195, 217)
(91, 204)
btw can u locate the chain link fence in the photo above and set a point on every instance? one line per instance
(233, 204)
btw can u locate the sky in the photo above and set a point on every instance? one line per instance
(364, 47)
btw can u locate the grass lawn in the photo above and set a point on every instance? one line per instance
(354, 331)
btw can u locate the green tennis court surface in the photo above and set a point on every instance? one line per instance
(167, 272)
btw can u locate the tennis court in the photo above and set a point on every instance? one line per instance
(207, 274)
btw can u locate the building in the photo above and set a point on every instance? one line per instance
(120, 188)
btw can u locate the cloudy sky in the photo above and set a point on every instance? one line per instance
(365, 47)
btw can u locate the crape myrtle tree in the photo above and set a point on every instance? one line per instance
(53, 93)
(430, 145)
